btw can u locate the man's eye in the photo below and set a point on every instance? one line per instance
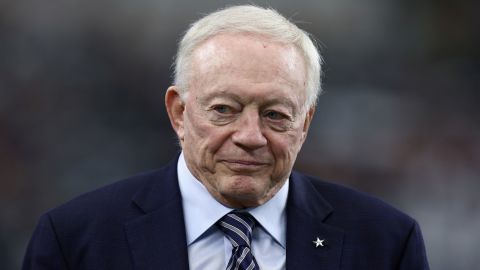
(223, 109)
(273, 115)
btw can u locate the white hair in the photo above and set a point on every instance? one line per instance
(253, 20)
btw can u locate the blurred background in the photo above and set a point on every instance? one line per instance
(81, 106)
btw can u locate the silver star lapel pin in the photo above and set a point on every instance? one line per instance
(319, 242)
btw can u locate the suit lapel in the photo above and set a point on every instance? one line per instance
(157, 237)
(306, 215)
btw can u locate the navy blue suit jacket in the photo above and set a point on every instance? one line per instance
(138, 223)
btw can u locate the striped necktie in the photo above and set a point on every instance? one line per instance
(237, 227)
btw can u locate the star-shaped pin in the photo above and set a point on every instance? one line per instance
(319, 242)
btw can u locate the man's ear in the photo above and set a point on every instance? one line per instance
(175, 108)
(308, 120)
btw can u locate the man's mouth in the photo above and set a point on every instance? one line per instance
(244, 165)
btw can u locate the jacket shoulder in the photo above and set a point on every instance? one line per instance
(113, 196)
(349, 204)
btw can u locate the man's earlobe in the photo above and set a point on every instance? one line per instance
(175, 108)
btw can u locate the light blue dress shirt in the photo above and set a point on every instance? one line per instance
(208, 248)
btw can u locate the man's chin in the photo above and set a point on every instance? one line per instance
(244, 197)
(240, 202)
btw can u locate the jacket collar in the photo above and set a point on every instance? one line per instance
(160, 202)
(307, 212)
(157, 237)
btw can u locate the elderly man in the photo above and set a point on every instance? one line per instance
(246, 82)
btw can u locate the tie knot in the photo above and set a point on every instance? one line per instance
(238, 227)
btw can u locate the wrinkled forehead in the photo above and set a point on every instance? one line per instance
(224, 47)
(247, 57)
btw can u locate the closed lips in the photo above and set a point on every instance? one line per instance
(246, 162)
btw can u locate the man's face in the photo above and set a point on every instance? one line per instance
(243, 121)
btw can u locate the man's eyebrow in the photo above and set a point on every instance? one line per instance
(235, 96)
(279, 100)
(238, 98)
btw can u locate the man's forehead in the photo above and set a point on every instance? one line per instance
(242, 63)
(223, 43)
(253, 54)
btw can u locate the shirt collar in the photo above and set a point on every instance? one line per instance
(196, 198)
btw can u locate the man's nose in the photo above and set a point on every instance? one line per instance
(248, 133)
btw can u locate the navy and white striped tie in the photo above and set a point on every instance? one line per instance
(238, 227)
